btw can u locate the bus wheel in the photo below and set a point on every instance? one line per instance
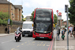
(36, 38)
(22, 35)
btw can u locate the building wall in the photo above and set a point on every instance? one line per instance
(4, 8)
(20, 15)
(12, 12)
(17, 14)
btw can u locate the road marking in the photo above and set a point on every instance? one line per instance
(6, 41)
(52, 44)
(12, 48)
(18, 46)
(33, 42)
(38, 44)
(25, 42)
(41, 42)
(22, 44)
(47, 45)
(44, 45)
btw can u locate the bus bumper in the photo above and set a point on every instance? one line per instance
(41, 35)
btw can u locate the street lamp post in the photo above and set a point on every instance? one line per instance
(66, 10)
(57, 16)
(8, 15)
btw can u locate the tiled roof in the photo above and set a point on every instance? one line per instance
(18, 6)
(6, 2)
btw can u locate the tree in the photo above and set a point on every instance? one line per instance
(4, 18)
(72, 12)
(22, 18)
(55, 19)
(32, 15)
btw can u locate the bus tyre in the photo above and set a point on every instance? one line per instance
(22, 35)
(36, 38)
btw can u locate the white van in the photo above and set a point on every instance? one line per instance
(27, 28)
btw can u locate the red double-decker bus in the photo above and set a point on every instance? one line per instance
(43, 23)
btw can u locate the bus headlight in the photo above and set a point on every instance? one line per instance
(45, 31)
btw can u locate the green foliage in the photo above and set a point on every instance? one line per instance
(4, 18)
(32, 16)
(3, 22)
(72, 12)
(10, 21)
(22, 16)
(23, 19)
(55, 19)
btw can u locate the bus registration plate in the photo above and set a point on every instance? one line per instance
(41, 37)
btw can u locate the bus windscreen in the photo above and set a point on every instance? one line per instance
(43, 21)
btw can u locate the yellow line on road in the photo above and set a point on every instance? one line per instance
(41, 42)
(47, 45)
(25, 42)
(22, 44)
(18, 46)
(12, 48)
(33, 42)
(44, 45)
(38, 44)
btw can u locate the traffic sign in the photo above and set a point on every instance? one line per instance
(59, 14)
(8, 21)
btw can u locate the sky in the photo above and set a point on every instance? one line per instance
(30, 5)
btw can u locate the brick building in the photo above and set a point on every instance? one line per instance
(15, 11)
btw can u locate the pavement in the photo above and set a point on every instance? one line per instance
(5, 34)
(62, 44)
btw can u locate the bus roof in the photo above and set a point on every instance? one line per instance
(44, 8)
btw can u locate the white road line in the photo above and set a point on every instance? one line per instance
(6, 41)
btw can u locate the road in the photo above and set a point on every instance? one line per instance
(26, 43)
